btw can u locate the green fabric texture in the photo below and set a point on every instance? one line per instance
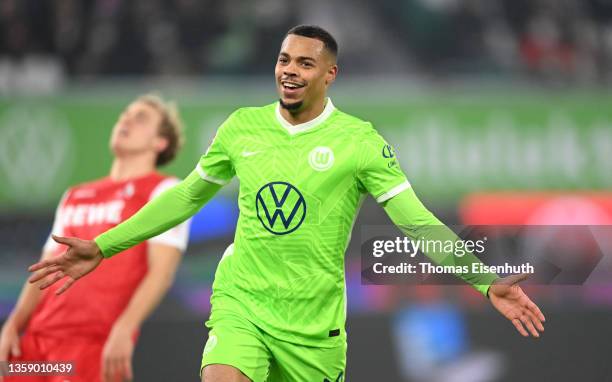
(416, 221)
(301, 187)
(169, 209)
(236, 341)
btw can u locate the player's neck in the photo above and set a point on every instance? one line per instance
(125, 168)
(305, 115)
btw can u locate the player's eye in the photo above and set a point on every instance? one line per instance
(282, 60)
(307, 64)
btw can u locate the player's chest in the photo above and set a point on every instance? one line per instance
(298, 160)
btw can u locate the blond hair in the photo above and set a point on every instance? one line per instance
(170, 126)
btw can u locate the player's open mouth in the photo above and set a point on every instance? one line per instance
(291, 85)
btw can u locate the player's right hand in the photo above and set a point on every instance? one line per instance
(82, 257)
(9, 343)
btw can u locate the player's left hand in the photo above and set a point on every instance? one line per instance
(510, 300)
(117, 355)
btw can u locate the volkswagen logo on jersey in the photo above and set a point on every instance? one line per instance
(281, 208)
(321, 158)
(388, 151)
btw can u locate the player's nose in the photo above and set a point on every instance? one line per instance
(290, 70)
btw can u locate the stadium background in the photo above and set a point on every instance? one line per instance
(499, 100)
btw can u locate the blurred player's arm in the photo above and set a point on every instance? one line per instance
(117, 354)
(29, 298)
(164, 254)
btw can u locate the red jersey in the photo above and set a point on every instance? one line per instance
(91, 306)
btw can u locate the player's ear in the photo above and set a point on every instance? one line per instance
(161, 144)
(332, 72)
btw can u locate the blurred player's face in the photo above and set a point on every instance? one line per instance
(303, 72)
(137, 131)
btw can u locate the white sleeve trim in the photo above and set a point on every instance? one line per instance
(228, 251)
(209, 178)
(393, 192)
(58, 226)
(178, 236)
(162, 186)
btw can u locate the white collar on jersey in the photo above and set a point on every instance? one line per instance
(294, 129)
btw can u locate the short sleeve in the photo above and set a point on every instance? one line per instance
(378, 170)
(178, 236)
(216, 165)
(58, 226)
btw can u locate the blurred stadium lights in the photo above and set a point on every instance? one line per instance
(537, 208)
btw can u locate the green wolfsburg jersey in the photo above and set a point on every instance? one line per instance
(300, 190)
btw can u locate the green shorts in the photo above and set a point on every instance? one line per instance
(235, 341)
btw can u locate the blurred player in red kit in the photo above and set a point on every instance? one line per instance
(95, 324)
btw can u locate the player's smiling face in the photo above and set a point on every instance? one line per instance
(137, 131)
(304, 70)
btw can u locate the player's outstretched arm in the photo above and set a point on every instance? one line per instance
(417, 222)
(16, 322)
(414, 220)
(169, 209)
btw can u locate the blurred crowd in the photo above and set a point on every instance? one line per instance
(559, 41)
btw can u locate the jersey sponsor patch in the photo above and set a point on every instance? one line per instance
(388, 152)
(79, 215)
(281, 207)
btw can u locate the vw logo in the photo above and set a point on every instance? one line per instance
(321, 158)
(281, 208)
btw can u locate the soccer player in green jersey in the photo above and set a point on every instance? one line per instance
(278, 303)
